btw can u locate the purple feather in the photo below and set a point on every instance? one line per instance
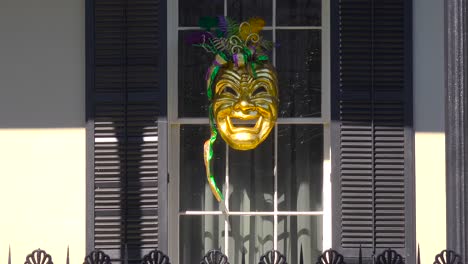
(198, 37)
(222, 24)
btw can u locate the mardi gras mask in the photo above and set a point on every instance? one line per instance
(241, 85)
(245, 107)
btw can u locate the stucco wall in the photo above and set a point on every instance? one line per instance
(429, 112)
(42, 135)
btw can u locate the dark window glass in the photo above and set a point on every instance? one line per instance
(249, 238)
(198, 234)
(300, 167)
(300, 238)
(298, 62)
(193, 64)
(251, 178)
(190, 11)
(298, 12)
(242, 10)
(195, 193)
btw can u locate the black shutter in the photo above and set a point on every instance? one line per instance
(125, 100)
(372, 163)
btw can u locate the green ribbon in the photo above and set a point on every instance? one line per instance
(247, 54)
(214, 134)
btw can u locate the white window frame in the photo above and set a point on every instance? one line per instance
(174, 123)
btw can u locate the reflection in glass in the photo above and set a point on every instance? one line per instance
(300, 167)
(298, 13)
(242, 10)
(249, 238)
(193, 63)
(195, 193)
(299, 72)
(198, 234)
(251, 178)
(190, 11)
(300, 238)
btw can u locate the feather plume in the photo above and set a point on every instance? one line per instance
(208, 23)
(198, 37)
(223, 25)
(233, 27)
(255, 25)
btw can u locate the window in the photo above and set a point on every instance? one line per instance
(278, 194)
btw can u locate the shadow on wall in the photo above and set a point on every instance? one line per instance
(42, 69)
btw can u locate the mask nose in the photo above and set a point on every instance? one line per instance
(244, 105)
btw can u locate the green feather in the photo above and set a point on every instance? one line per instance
(233, 27)
(208, 22)
(219, 33)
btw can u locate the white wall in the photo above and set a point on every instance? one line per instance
(42, 135)
(429, 112)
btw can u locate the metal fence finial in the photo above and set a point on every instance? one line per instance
(68, 254)
(360, 254)
(419, 255)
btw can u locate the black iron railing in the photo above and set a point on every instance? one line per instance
(214, 256)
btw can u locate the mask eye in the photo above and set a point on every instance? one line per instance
(229, 91)
(258, 90)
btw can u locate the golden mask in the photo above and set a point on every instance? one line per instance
(245, 107)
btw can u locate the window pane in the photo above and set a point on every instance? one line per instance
(300, 167)
(299, 70)
(249, 238)
(195, 193)
(241, 10)
(190, 11)
(251, 178)
(193, 63)
(198, 235)
(298, 13)
(300, 238)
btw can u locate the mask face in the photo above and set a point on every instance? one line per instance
(245, 108)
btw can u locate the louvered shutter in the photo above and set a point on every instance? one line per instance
(125, 94)
(371, 127)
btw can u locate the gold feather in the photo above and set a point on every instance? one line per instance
(255, 25)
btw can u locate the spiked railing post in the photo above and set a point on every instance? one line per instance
(360, 254)
(419, 255)
(68, 255)
(125, 254)
(9, 254)
(301, 256)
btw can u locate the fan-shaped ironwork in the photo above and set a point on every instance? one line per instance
(38, 256)
(390, 256)
(97, 257)
(155, 257)
(273, 257)
(330, 257)
(448, 257)
(214, 256)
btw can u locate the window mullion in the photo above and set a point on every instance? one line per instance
(275, 172)
(226, 200)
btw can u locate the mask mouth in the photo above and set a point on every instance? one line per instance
(238, 123)
(250, 125)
